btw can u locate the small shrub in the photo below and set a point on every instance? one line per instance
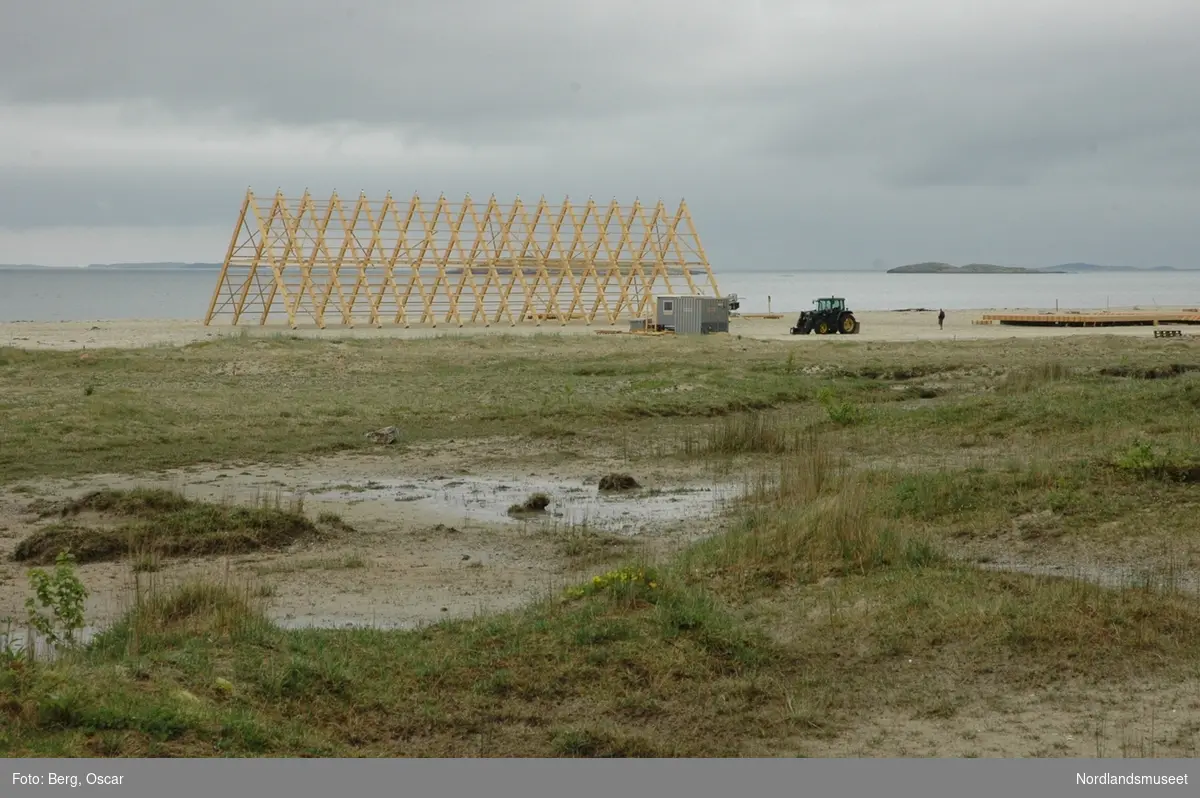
(63, 595)
(842, 413)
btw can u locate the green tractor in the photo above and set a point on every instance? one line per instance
(829, 317)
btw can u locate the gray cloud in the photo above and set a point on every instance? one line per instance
(1003, 113)
(475, 68)
(814, 132)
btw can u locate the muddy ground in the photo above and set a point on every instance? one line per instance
(432, 536)
(433, 539)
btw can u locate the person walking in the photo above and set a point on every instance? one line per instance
(941, 318)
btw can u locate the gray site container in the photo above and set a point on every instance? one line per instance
(692, 315)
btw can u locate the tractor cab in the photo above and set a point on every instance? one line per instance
(830, 305)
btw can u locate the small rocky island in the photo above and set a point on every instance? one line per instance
(970, 268)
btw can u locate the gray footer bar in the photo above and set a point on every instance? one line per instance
(532, 778)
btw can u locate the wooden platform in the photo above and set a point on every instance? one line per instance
(1093, 319)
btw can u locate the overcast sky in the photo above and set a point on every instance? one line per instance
(812, 133)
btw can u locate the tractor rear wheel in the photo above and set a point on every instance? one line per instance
(847, 325)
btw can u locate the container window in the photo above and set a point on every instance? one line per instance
(668, 306)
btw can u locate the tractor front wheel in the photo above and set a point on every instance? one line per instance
(823, 328)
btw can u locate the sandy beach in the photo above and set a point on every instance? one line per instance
(876, 326)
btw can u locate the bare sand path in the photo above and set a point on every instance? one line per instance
(876, 326)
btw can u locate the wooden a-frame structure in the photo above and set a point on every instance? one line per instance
(428, 263)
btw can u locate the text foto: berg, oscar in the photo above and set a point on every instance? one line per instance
(93, 779)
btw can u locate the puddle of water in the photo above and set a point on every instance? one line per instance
(572, 502)
(15, 640)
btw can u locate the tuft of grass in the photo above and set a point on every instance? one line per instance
(1029, 379)
(617, 482)
(750, 433)
(168, 616)
(534, 503)
(137, 502)
(154, 524)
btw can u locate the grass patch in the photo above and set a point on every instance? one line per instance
(160, 523)
(814, 520)
(165, 407)
(1105, 502)
(1153, 372)
(1145, 460)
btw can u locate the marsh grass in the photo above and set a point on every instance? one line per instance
(750, 433)
(814, 519)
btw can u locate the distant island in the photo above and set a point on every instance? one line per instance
(990, 268)
(970, 268)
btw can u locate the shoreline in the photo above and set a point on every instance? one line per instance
(912, 324)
